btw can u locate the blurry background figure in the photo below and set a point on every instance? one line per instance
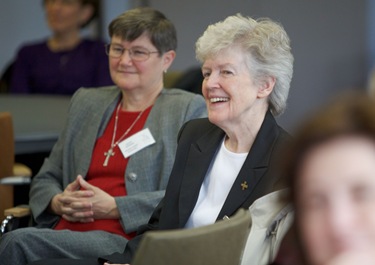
(332, 170)
(65, 61)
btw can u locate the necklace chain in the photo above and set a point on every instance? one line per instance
(110, 151)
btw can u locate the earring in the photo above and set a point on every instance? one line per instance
(165, 71)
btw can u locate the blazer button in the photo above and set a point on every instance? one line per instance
(132, 176)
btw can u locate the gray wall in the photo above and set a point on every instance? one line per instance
(20, 20)
(332, 40)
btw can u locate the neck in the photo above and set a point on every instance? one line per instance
(241, 136)
(67, 41)
(138, 101)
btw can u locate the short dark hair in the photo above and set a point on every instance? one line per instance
(95, 6)
(134, 22)
(96, 10)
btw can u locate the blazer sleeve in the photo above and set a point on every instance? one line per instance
(78, 136)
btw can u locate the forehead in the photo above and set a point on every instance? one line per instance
(230, 56)
(142, 41)
(339, 163)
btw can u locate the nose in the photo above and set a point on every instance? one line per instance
(210, 81)
(125, 57)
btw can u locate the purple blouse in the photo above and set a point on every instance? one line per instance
(39, 70)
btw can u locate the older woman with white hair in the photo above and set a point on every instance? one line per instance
(225, 162)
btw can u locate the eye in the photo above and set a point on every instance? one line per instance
(363, 193)
(206, 74)
(226, 72)
(117, 50)
(140, 52)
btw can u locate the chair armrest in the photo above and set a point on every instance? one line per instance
(18, 211)
(15, 180)
(12, 218)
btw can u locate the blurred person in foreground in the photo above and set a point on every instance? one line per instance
(66, 60)
(332, 169)
(111, 164)
(224, 162)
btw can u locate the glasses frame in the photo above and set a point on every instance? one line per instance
(130, 51)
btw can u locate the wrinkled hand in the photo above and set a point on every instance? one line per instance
(82, 202)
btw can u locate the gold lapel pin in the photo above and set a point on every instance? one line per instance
(244, 185)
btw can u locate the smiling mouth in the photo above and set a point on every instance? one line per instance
(214, 100)
(126, 72)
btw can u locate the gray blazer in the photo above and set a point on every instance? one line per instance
(148, 170)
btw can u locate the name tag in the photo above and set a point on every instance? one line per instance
(136, 142)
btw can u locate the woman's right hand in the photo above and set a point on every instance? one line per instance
(73, 201)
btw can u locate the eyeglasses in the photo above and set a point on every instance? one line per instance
(137, 54)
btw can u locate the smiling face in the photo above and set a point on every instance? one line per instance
(232, 95)
(336, 199)
(144, 75)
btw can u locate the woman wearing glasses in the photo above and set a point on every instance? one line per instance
(65, 61)
(111, 164)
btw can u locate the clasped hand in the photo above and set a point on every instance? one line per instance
(82, 202)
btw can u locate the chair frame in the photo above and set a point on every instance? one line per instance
(11, 173)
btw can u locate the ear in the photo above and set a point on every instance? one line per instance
(86, 13)
(168, 58)
(266, 86)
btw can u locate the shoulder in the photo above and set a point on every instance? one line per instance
(96, 92)
(94, 96)
(178, 103)
(175, 95)
(176, 92)
(33, 47)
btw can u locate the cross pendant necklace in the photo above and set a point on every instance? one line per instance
(108, 154)
(110, 151)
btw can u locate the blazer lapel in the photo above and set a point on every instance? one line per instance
(198, 162)
(99, 114)
(252, 182)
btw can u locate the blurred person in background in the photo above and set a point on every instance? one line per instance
(66, 60)
(331, 165)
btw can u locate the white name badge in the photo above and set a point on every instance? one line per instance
(136, 142)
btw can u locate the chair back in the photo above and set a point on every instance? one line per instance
(6, 160)
(219, 243)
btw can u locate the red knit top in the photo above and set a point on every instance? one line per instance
(110, 178)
